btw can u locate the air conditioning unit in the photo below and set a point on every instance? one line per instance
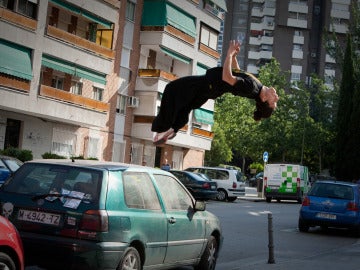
(313, 55)
(133, 102)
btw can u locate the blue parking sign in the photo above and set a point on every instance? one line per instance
(266, 156)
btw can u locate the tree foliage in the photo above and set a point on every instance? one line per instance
(291, 134)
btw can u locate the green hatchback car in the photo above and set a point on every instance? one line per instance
(79, 214)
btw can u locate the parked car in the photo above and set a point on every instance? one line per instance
(254, 180)
(199, 187)
(331, 204)
(8, 165)
(11, 249)
(229, 181)
(86, 214)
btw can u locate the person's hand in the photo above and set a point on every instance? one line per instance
(234, 48)
(270, 96)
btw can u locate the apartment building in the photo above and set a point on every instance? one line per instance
(85, 77)
(291, 31)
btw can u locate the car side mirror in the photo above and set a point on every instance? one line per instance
(200, 206)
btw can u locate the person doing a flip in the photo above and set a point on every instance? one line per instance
(191, 92)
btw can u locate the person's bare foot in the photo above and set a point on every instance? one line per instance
(161, 138)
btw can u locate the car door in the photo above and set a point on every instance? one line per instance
(186, 228)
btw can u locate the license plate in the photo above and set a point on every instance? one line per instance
(326, 215)
(39, 217)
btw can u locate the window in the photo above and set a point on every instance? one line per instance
(130, 11)
(174, 195)
(121, 104)
(136, 153)
(297, 47)
(298, 33)
(24, 7)
(98, 93)
(76, 88)
(209, 37)
(93, 147)
(139, 191)
(57, 82)
(295, 76)
(63, 142)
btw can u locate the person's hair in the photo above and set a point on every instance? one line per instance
(262, 110)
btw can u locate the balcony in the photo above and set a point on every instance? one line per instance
(67, 97)
(80, 42)
(156, 73)
(18, 19)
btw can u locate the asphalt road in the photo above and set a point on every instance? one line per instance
(245, 225)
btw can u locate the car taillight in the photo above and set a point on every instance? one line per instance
(306, 201)
(234, 185)
(95, 221)
(352, 206)
(206, 185)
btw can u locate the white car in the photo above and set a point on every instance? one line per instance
(229, 181)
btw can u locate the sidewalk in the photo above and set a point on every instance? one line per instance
(251, 194)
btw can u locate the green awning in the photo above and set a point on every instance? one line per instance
(73, 69)
(82, 12)
(201, 69)
(90, 75)
(58, 64)
(180, 20)
(204, 116)
(15, 60)
(220, 3)
(162, 13)
(176, 55)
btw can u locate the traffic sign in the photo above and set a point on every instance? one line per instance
(266, 156)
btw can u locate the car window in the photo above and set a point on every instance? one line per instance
(174, 195)
(13, 164)
(2, 165)
(332, 191)
(139, 191)
(47, 178)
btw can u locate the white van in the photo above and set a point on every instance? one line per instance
(285, 181)
(229, 181)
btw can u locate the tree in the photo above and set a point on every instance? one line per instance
(220, 150)
(344, 140)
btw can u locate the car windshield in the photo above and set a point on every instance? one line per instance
(332, 191)
(13, 164)
(46, 179)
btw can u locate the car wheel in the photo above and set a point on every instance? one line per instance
(6, 262)
(221, 195)
(209, 257)
(268, 199)
(231, 199)
(130, 260)
(303, 226)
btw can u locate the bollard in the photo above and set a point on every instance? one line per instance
(271, 240)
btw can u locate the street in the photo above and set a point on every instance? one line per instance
(246, 238)
(245, 229)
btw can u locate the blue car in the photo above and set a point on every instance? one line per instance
(8, 165)
(331, 204)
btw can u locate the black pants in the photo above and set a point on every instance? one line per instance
(179, 98)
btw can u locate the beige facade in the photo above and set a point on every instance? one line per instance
(85, 77)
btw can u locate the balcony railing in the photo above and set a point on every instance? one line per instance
(14, 82)
(64, 96)
(156, 73)
(17, 19)
(202, 133)
(171, 30)
(80, 42)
